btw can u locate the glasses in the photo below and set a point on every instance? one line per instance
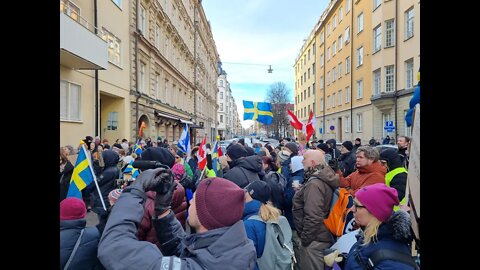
(358, 205)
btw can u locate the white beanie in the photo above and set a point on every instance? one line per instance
(297, 163)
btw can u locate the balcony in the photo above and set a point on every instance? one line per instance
(384, 101)
(80, 47)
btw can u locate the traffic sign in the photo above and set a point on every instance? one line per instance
(320, 130)
(389, 126)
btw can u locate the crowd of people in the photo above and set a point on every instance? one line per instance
(174, 215)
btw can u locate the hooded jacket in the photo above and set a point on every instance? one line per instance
(65, 177)
(311, 204)
(371, 174)
(243, 171)
(346, 163)
(107, 181)
(394, 234)
(119, 248)
(399, 181)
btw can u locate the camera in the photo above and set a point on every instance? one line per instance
(143, 165)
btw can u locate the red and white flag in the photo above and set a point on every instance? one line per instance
(296, 124)
(202, 154)
(308, 129)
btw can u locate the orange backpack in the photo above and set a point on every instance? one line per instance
(340, 212)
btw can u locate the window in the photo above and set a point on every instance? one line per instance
(118, 3)
(359, 89)
(309, 91)
(377, 38)
(304, 94)
(157, 85)
(221, 107)
(313, 88)
(328, 77)
(347, 35)
(221, 118)
(309, 73)
(142, 19)
(347, 65)
(340, 14)
(389, 33)
(339, 97)
(328, 102)
(321, 104)
(313, 48)
(308, 109)
(304, 60)
(322, 82)
(359, 122)
(70, 9)
(335, 21)
(348, 94)
(376, 3)
(221, 83)
(360, 23)
(70, 98)
(304, 77)
(347, 6)
(301, 96)
(296, 101)
(328, 29)
(322, 37)
(347, 124)
(409, 73)
(408, 129)
(322, 60)
(313, 68)
(334, 47)
(142, 77)
(328, 53)
(409, 23)
(334, 74)
(377, 81)
(340, 42)
(308, 54)
(314, 110)
(113, 47)
(112, 121)
(339, 70)
(389, 79)
(221, 95)
(334, 101)
(360, 56)
(158, 36)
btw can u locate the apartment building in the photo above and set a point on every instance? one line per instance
(305, 81)
(173, 69)
(227, 109)
(94, 70)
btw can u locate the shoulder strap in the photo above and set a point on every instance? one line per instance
(389, 254)
(74, 250)
(256, 217)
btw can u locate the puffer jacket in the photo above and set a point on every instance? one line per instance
(86, 255)
(311, 204)
(394, 234)
(146, 231)
(365, 176)
(243, 171)
(399, 181)
(228, 247)
(106, 182)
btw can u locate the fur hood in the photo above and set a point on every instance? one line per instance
(397, 226)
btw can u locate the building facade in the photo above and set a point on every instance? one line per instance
(364, 78)
(173, 69)
(94, 76)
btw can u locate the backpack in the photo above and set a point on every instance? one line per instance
(277, 184)
(278, 251)
(277, 178)
(340, 213)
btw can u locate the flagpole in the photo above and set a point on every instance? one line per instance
(94, 178)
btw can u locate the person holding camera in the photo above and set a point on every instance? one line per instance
(215, 214)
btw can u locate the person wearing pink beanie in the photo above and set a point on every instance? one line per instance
(385, 235)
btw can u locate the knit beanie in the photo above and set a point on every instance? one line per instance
(219, 203)
(378, 199)
(178, 171)
(159, 154)
(348, 145)
(297, 163)
(283, 155)
(323, 146)
(292, 147)
(115, 194)
(72, 208)
(250, 151)
(236, 151)
(259, 190)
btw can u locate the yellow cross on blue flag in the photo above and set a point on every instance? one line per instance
(82, 174)
(260, 111)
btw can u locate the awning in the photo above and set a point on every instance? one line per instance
(186, 121)
(196, 126)
(166, 116)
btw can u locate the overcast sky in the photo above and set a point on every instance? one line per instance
(250, 35)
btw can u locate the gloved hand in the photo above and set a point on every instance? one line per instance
(164, 196)
(158, 180)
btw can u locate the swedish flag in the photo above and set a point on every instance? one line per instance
(131, 169)
(215, 163)
(82, 174)
(137, 148)
(260, 111)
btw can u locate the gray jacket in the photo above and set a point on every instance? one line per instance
(119, 248)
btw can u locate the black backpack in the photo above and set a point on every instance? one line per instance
(277, 184)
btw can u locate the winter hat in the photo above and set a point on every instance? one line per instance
(115, 194)
(378, 199)
(236, 151)
(348, 145)
(250, 151)
(297, 163)
(178, 171)
(219, 203)
(323, 146)
(259, 190)
(292, 147)
(72, 208)
(283, 155)
(159, 154)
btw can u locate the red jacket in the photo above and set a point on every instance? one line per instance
(372, 174)
(146, 232)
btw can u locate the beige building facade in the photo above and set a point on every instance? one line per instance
(227, 115)
(94, 71)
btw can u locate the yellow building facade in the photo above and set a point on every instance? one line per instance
(94, 71)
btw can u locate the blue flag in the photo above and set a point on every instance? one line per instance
(82, 175)
(184, 141)
(137, 149)
(260, 111)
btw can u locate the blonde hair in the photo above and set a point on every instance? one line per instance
(371, 231)
(269, 212)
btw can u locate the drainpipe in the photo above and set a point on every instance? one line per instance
(97, 98)
(137, 93)
(195, 67)
(396, 67)
(324, 79)
(351, 75)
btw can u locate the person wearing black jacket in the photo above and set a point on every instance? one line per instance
(391, 159)
(347, 159)
(106, 181)
(66, 170)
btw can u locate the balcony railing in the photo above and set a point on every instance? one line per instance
(71, 10)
